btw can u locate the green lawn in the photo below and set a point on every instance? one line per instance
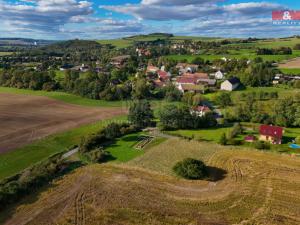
(60, 75)
(118, 43)
(123, 149)
(290, 71)
(65, 97)
(213, 134)
(248, 55)
(16, 161)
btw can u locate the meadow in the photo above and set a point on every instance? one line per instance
(251, 56)
(6, 53)
(290, 71)
(66, 97)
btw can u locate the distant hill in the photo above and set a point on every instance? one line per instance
(130, 41)
(24, 42)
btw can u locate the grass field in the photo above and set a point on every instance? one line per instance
(118, 43)
(6, 53)
(129, 41)
(123, 150)
(65, 97)
(250, 56)
(290, 71)
(244, 187)
(15, 161)
(212, 134)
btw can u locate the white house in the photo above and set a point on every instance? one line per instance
(219, 75)
(230, 84)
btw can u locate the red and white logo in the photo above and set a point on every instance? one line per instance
(286, 15)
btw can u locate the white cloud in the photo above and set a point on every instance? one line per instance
(192, 9)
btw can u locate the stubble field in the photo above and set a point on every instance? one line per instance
(245, 187)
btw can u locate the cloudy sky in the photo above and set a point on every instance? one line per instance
(103, 19)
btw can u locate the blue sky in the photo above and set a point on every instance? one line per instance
(108, 19)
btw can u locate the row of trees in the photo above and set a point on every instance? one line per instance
(29, 79)
(14, 188)
(172, 117)
(277, 51)
(284, 112)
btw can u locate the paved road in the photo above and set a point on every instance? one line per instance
(70, 153)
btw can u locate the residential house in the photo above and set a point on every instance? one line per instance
(194, 88)
(208, 82)
(152, 69)
(143, 52)
(186, 68)
(272, 134)
(186, 80)
(119, 61)
(163, 75)
(200, 111)
(197, 75)
(230, 84)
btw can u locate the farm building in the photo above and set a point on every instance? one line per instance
(230, 84)
(272, 134)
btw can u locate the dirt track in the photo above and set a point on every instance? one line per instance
(24, 119)
(291, 64)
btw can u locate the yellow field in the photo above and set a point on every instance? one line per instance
(245, 187)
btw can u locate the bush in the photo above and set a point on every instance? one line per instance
(190, 169)
(14, 188)
(223, 139)
(109, 133)
(261, 145)
(298, 140)
(97, 155)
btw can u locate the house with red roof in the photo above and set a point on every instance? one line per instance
(186, 80)
(272, 134)
(200, 111)
(163, 75)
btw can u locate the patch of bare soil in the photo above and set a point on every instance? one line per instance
(24, 119)
(291, 64)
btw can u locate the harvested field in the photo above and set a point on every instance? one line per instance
(257, 188)
(25, 118)
(291, 64)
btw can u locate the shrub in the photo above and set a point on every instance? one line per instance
(223, 139)
(298, 140)
(262, 145)
(190, 169)
(97, 155)
(111, 132)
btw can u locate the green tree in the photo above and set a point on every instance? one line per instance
(223, 99)
(141, 89)
(140, 113)
(191, 169)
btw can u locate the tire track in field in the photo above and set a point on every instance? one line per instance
(79, 209)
